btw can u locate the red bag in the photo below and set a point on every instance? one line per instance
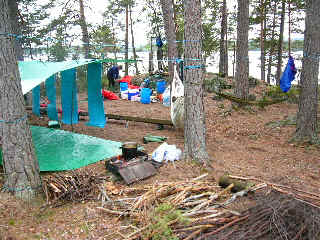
(126, 79)
(109, 95)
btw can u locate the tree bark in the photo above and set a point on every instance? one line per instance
(170, 30)
(194, 126)
(133, 46)
(126, 65)
(16, 28)
(19, 159)
(242, 64)
(84, 29)
(308, 103)
(280, 43)
(262, 40)
(223, 61)
(272, 48)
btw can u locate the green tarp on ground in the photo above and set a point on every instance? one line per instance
(59, 150)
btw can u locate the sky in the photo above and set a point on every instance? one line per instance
(97, 7)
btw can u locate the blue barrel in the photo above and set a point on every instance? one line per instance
(161, 86)
(123, 86)
(145, 95)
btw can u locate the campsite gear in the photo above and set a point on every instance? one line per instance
(151, 138)
(159, 42)
(133, 92)
(109, 95)
(288, 75)
(145, 95)
(126, 79)
(129, 150)
(36, 100)
(50, 84)
(166, 97)
(54, 124)
(137, 169)
(124, 94)
(123, 86)
(166, 152)
(161, 86)
(69, 99)
(177, 102)
(145, 83)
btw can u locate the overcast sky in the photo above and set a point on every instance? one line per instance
(97, 7)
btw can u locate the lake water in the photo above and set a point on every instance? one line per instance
(213, 64)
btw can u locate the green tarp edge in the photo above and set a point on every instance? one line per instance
(59, 150)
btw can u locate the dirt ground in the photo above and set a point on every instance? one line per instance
(239, 143)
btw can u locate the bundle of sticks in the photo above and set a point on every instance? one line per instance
(73, 186)
(206, 208)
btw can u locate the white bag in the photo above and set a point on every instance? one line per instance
(166, 153)
(177, 106)
(166, 97)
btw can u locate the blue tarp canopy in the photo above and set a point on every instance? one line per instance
(33, 73)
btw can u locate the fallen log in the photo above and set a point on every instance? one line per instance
(119, 117)
(261, 103)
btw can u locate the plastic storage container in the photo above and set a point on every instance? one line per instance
(123, 86)
(132, 93)
(145, 95)
(161, 86)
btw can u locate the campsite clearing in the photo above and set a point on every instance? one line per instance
(240, 143)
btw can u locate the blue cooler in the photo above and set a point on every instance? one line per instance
(123, 86)
(145, 95)
(161, 86)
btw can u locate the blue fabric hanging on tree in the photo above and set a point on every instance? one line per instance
(288, 75)
(159, 42)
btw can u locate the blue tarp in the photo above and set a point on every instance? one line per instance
(95, 100)
(288, 75)
(33, 73)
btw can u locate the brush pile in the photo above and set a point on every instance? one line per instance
(73, 186)
(198, 209)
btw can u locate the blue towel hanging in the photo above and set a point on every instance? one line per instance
(36, 100)
(288, 75)
(69, 97)
(95, 101)
(51, 94)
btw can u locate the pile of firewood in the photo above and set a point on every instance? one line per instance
(210, 214)
(73, 186)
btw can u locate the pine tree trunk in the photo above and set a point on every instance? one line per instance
(280, 43)
(308, 102)
(16, 28)
(133, 46)
(194, 126)
(262, 40)
(223, 61)
(126, 65)
(170, 30)
(84, 29)
(20, 162)
(272, 47)
(114, 39)
(242, 64)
